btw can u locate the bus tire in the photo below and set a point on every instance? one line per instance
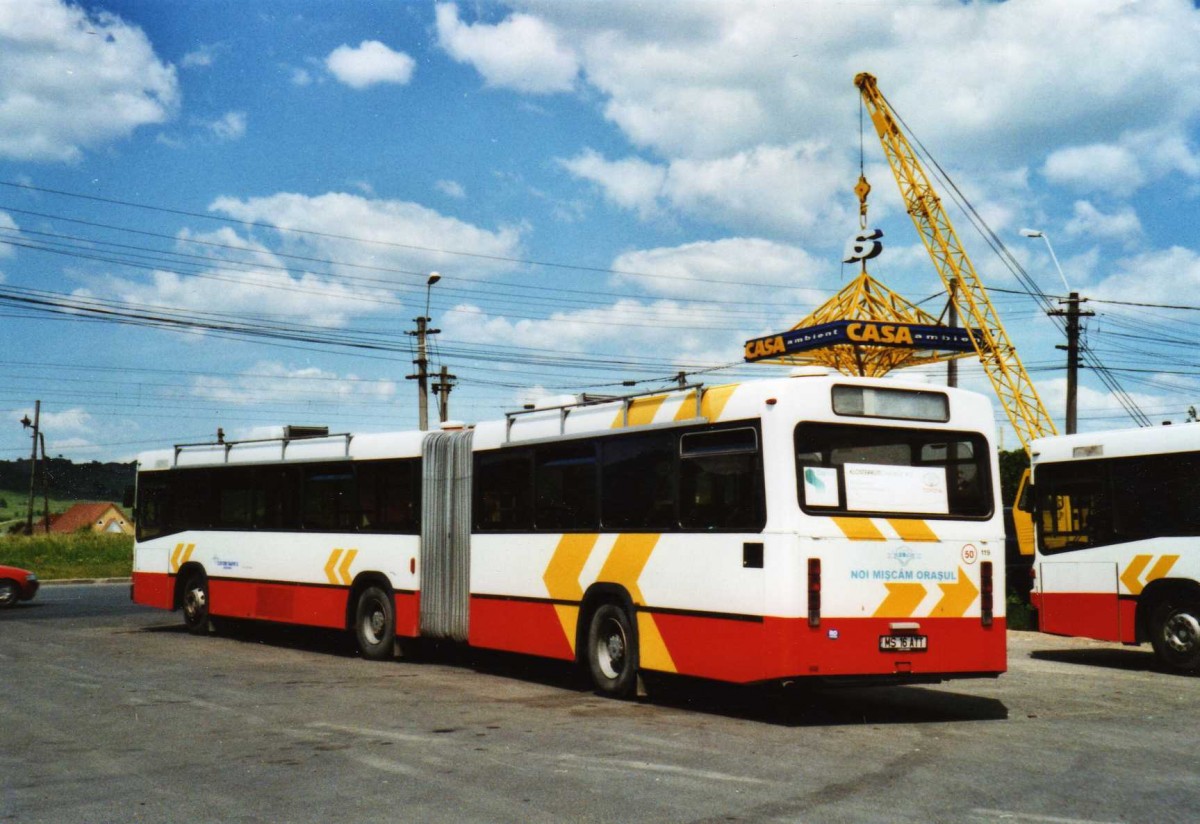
(375, 624)
(612, 652)
(1175, 632)
(195, 603)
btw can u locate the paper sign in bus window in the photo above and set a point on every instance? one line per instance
(882, 488)
(821, 486)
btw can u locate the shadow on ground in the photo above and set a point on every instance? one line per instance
(798, 706)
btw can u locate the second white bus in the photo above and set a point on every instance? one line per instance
(1118, 538)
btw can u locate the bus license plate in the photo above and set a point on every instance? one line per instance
(903, 643)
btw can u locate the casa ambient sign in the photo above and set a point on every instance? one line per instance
(862, 333)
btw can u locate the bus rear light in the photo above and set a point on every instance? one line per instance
(985, 593)
(814, 592)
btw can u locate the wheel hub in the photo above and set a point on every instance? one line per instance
(1182, 632)
(193, 602)
(612, 652)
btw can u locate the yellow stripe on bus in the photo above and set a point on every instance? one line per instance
(641, 411)
(624, 566)
(562, 579)
(909, 530)
(859, 529)
(711, 405)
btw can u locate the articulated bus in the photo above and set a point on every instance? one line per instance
(1118, 538)
(816, 526)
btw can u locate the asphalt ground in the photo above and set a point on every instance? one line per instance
(109, 712)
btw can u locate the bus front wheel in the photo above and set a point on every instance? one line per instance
(612, 651)
(375, 624)
(195, 604)
(1175, 633)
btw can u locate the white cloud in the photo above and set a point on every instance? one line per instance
(72, 80)
(1088, 221)
(793, 190)
(631, 183)
(378, 233)
(1169, 276)
(451, 188)
(522, 53)
(203, 57)
(371, 63)
(664, 327)
(1095, 168)
(75, 420)
(979, 80)
(248, 278)
(722, 269)
(276, 382)
(300, 76)
(230, 126)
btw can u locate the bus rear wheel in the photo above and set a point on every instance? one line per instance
(612, 651)
(375, 624)
(1175, 633)
(195, 604)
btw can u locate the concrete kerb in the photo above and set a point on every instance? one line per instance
(61, 581)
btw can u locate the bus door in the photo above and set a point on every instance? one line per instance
(446, 534)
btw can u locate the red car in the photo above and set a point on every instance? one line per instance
(16, 585)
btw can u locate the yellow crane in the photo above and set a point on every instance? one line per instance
(1018, 397)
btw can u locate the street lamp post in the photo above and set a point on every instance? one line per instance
(1072, 314)
(422, 361)
(1053, 257)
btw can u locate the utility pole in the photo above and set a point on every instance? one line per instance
(25, 422)
(422, 361)
(952, 364)
(45, 485)
(442, 389)
(1072, 314)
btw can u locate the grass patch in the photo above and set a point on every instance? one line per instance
(79, 555)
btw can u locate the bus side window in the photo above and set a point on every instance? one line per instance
(1074, 509)
(720, 480)
(638, 478)
(565, 487)
(504, 490)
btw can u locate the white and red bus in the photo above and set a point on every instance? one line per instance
(1118, 538)
(817, 526)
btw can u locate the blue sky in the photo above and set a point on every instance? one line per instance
(611, 191)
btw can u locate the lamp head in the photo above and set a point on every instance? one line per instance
(1031, 232)
(434, 277)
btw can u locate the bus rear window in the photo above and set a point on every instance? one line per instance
(904, 404)
(866, 470)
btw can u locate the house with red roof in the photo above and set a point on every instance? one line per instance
(98, 517)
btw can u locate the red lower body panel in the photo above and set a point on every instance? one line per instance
(738, 650)
(314, 606)
(1100, 615)
(154, 590)
(781, 648)
(531, 627)
(745, 650)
